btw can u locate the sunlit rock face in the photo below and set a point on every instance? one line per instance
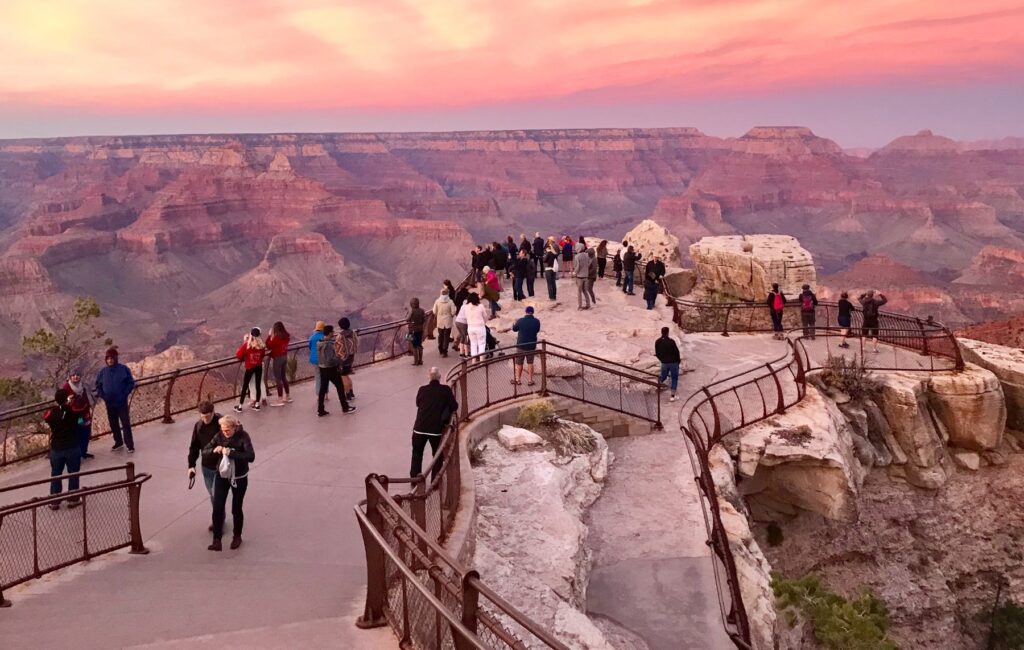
(746, 266)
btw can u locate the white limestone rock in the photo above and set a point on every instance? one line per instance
(971, 406)
(904, 401)
(1008, 365)
(513, 438)
(650, 239)
(967, 460)
(724, 267)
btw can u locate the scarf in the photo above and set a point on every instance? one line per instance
(78, 388)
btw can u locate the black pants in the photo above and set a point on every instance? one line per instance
(330, 376)
(220, 498)
(121, 425)
(776, 320)
(444, 339)
(601, 262)
(618, 277)
(529, 285)
(256, 372)
(807, 321)
(419, 443)
(552, 287)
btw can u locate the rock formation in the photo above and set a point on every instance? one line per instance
(744, 267)
(650, 239)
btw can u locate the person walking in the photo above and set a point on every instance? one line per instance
(551, 268)
(538, 252)
(114, 385)
(476, 325)
(80, 402)
(277, 346)
(444, 315)
(870, 303)
(416, 319)
(650, 286)
(65, 449)
(808, 303)
(629, 260)
(617, 267)
(592, 274)
(251, 354)
(203, 431)
(776, 302)
(581, 272)
(234, 444)
(346, 345)
(844, 318)
(527, 329)
(314, 339)
(435, 406)
(667, 351)
(328, 364)
(602, 257)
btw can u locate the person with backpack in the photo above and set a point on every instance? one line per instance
(444, 314)
(80, 401)
(844, 318)
(277, 346)
(114, 385)
(65, 450)
(667, 352)
(416, 319)
(232, 451)
(808, 303)
(776, 304)
(869, 305)
(346, 345)
(629, 261)
(203, 431)
(251, 353)
(328, 363)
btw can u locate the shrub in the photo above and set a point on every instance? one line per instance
(1008, 627)
(536, 413)
(570, 438)
(837, 623)
(849, 376)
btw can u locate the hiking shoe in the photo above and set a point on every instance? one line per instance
(55, 505)
(256, 406)
(215, 546)
(236, 541)
(117, 445)
(238, 408)
(350, 409)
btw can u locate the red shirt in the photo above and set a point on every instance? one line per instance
(253, 357)
(278, 346)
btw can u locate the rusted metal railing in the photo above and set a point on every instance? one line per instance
(36, 539)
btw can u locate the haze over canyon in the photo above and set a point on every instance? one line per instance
(189, 239)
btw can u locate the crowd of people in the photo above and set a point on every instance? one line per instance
(870, 301)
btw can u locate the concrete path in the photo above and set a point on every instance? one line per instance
(298, 580)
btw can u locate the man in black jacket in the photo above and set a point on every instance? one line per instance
(629, 261)
(435, 405)
(667, 352)
(205, 429)
(538, 253)
(65, 450)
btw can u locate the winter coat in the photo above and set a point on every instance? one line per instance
(241, 452)
(444, 312)
(592, 271)
(314, 338)
(549, 259)
(63, 425)
(433, 402)
(114, 384)
(524, 245)
(492, 281)
(538, 247)
(202, 434)
(666, 350)
(80, 404)
(417, 317)
(617, 263)
(629, 260)
(582, 268)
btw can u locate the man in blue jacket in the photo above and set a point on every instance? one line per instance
(114, 385)
(527, 329)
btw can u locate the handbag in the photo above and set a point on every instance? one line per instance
(226, 468)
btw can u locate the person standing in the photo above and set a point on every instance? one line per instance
(80, 402)
(567, 254)
(592, 274)
(776, 302)
(602, 257)
(347, 345)
(314, 338)
(114, 385)
(231, 442)
(462, 329)
(844, 318)
(416, 319)
(435, 405)
(527, 329)
(551, 268)
(444, 314)
(581, 272)
(617, 267)
(64, 447)
(667, 351)
(519, 271)
(500, 260)
(277, 345)
(203, 431)
(328, 363)
(650, 286)
(476, 325)
(659, 270)
(808, 303)
(869, 305)
(629, 260)
(538, 252)
(251, 354)
(492, 290)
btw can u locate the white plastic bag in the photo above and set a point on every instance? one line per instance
(226, 469)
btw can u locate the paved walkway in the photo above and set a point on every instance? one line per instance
(298, 580)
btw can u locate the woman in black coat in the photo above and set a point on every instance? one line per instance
(234, 443)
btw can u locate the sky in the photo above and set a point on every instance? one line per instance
(859, 72)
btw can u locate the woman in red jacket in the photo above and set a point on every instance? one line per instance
(277, 345)
(251, 353)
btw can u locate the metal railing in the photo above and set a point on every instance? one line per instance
(429, 599)
(36, 539)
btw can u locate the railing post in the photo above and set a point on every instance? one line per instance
(543, 368)
(463, 391)
(924, 339)
(781, 404)
(418, 510)
(373, 613)
(470, 607)
(134, 492)
(3, 602)
(167, 398)
(725, 325)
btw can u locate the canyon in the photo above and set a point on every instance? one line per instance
(189, 239)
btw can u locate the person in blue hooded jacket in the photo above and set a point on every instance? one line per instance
(114, 385)
(314, 338)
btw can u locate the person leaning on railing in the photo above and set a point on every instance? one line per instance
(776, 302)
(870, 304)
(64, 447)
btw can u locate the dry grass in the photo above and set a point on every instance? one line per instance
(535, 414)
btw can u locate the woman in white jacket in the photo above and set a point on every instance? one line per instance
(476, 323)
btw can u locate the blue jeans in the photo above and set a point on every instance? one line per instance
(670, 369)
(209, 475)
(627, 283)
(495, 308)
(552, 287)
(121, 425)
(316, 378)
(84, 435)
(517, 288)
(61, 458)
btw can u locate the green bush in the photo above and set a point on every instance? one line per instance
(1008, 627)
(837, 623)
(849, 376)
(536, 413)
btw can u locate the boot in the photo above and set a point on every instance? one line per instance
(236, 541)
(215, 546)
(419, 357)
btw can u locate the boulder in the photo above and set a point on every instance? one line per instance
(724, 267)
(970, 405)
(650, 239)
(1008, 365)
(915, 434)
(967, 459)
(513, 438)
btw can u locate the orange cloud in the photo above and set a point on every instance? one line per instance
(317, 54)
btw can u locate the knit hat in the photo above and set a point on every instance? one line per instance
(75, 371)
(110, 354)
(319, 326)
(255, 331)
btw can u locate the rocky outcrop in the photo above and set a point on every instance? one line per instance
(971, 407)
(650, 239)
(1007, 364)
(745, 267)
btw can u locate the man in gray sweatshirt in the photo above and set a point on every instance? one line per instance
(581, 274)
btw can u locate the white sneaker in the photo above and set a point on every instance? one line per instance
(673, 398)
(238, 408)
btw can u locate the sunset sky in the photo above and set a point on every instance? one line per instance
(859, 72)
